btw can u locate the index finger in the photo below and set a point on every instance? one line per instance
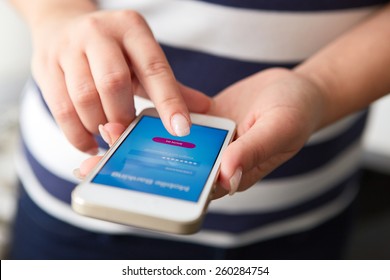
(156, 76)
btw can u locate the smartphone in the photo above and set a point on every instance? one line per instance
(153, 180)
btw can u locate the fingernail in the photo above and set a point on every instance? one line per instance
(180, 125)
(103, 132)
(77, 174)
(235, 181)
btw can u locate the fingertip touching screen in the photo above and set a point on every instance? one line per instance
(151, 160)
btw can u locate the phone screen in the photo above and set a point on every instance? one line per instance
(151, 160)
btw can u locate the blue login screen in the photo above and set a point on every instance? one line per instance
(153, 161)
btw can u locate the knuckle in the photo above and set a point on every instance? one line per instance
(259, 155)
(156, 67)
(169, 102)
(90, 23)
(114, 82)
(81, 143)
(254, 153)
(132, 17)
(89, 27)
(85, 95)
(257, 151)
(63, 112)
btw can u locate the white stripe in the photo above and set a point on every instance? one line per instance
(333, 130)
(63, 212)
(51, 149)
(251, 35)
(296, 224)
(45, 141)
(57, 208)
(274, 195)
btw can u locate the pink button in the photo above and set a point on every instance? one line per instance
(174, 142)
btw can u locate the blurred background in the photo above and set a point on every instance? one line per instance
(15, 52)
(370, 237)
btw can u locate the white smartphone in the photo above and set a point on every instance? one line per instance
(153, 180)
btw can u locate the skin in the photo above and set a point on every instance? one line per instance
(97, 61)
(276, 113)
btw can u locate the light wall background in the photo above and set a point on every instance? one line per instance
(15, 52)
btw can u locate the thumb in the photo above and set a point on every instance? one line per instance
(254, 154)
(110, 132)
(86, 166)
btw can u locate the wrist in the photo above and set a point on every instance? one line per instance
(323, 86)
(57, 11)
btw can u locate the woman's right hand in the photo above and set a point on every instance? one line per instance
(90, 65)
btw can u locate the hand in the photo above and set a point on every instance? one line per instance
(90, 65)
(276, 112)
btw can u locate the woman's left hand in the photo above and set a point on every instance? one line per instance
(276, 112)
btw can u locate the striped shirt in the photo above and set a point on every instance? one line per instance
(211, 44)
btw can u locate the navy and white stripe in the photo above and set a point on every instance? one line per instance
(296, 5)
(243, 34)
(227, 43)
(210, 45)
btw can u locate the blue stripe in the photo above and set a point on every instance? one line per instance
(210, 73)
(245, 222)
(296, 5)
